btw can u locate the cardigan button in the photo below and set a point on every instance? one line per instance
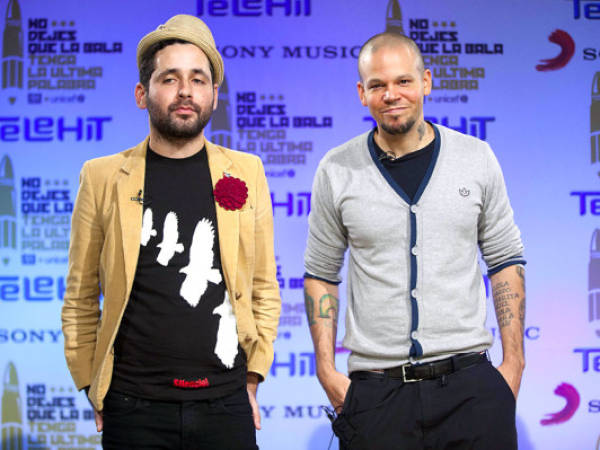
(415, 250)
(238, 295)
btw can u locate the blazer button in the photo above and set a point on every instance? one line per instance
(237, 295)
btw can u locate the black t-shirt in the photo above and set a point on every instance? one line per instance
(409, 170)
(178, 338)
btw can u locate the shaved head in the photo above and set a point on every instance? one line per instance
(389, 40)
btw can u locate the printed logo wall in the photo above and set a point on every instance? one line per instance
(289, 95)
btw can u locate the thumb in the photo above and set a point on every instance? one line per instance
(256, 415)
(99, 421)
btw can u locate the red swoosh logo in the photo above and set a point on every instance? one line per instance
(567, 50)
(570, 394)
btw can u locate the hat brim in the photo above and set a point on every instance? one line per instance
(185, 35)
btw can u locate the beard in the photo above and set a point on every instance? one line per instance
(401, 128)
(173, 129)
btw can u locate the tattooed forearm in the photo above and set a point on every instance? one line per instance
(503, 295)
(509, 300)
(329, 303)
(328, 309)
(309, 306)
(521, 273)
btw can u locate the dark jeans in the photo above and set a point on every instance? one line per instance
(473, 408)
(222, 423)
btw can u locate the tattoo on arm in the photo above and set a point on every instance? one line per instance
(328, 309)
(521, 273)
(309, 306)
(329, 303)
(502, 295)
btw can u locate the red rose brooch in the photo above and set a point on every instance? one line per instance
(230, 192)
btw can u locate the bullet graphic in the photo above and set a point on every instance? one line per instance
(12, 421)
(220, 123)
(8, 209)
(594, 279)
(393, 18)
(12, 47)
(595, 119)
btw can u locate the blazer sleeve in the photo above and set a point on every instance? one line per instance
(81, 306)
(266, 301)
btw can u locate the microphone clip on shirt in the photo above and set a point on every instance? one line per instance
(138, 198)
(385, 155)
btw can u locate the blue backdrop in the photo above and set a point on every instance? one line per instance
(68, 72)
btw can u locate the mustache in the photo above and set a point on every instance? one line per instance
(186, 103)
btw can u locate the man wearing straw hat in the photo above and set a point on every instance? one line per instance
(177, 235)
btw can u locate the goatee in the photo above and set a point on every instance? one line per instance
(169, 128)
(402, 128)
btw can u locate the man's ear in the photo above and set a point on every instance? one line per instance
(427, 82)
(361, 93)
(216, 96)
(140, 96)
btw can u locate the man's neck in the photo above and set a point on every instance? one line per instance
(398, 145)
(176, 149)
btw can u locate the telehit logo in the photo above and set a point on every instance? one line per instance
(253, 8)
(570, 394)
(567, 50)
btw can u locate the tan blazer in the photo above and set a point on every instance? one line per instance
(103, 254)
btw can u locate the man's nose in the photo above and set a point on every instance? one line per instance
(390, 94)
(184, 89)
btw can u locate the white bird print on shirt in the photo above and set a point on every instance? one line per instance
(199, 271)
(147, 224)
(227, 340)
(169, 244)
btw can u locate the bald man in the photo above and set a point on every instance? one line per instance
(415, 203)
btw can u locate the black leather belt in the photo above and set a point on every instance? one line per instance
(410, 373)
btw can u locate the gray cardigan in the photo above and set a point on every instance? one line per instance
(415, 289)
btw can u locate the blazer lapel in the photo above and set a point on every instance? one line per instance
(227, 221)
(130, 187)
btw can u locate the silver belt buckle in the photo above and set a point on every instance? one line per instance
(404, 379)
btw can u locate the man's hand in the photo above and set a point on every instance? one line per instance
(97, 415)
(512, 373)
(252, 386)
(336, 386)
(99, 420)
